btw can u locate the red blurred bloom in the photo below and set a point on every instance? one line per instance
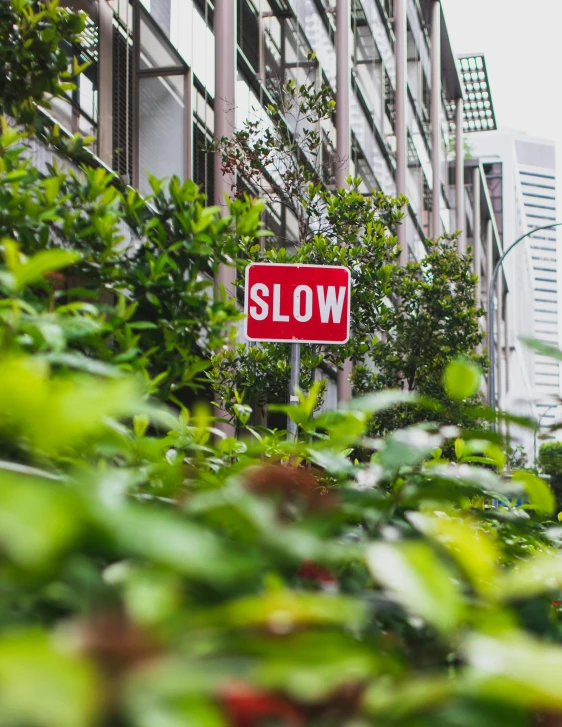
(248, 706)
(311, 571)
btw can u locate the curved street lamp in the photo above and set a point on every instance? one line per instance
(491, 316)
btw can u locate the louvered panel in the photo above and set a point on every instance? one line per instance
(203, 163)
(122, 104)
(249, 33)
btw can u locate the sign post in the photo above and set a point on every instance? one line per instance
(297, 304)
(294, 385)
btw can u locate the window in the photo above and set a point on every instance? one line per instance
(203, 163)
(122, 99)
(162, 107)
(249, 33)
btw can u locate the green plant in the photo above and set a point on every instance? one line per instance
(550, 462)
(282, 161)
(34, 66)
(434, 319)
(156, 573)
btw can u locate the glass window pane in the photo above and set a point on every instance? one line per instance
(153, 51)
(161, 129)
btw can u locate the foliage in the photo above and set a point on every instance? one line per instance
(155, 573)
(433, 321)
(142, 275)
(33, 62)
(550, 462)
(152, 577)
(281, 159)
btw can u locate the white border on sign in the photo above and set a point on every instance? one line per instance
(297, 340)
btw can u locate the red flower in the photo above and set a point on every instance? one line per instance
(311, 571)
(248, 706)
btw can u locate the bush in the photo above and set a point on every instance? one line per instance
(156, 573)
(550, 462)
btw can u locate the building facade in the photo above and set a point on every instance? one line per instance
(529, 193)
(166, 76)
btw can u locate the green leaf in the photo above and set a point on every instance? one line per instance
(474, 550)
(43, 685)
(419, 581)
(374, 403)
(516, 669)
(461, 379)
(536, 575)
(541, 497)
(39, 265)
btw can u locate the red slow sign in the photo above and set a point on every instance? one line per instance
(297, 303)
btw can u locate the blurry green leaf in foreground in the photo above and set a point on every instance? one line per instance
(58, 412)
(515, 668)
(474, 550)
(531, 577)
(418, 580)
(283, 610)
(38, 519)
(42, 686)
(461, 379)
(541, 497)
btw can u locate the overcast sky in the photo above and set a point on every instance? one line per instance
(523, 49)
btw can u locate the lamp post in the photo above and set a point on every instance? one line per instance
(545, 412)
(492, 388)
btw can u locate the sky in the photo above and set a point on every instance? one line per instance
(523, 49)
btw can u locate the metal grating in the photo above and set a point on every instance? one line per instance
(122, 103)
(203, 162)
(249, 33)
(479, 112)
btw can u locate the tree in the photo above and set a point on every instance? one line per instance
(281, 159)
(550, 462)
(433, 320)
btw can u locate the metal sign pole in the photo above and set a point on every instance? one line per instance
(293, 386)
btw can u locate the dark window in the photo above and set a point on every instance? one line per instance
(389, 99)
(249, 33)
(203, 162)
(122, 103)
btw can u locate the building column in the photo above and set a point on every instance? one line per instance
(343, 140)
(105, 83)
(507, 352)
(436, 228)
(499, 342)
(488, 280)
(477, 251)
(459, 176)
(342, 92)
(225, 86)
(401, 51)
(489, 256)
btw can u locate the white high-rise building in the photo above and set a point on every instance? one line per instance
(529, 202)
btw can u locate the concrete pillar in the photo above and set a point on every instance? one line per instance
(459, 177)
(342, 90)
(486, 286)
(105, 83)
(477, 251)
(343, 140)
(401, 51)
(489, 254)
(507, 352)
(225, 86)
(499, 342)
(436, 115)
